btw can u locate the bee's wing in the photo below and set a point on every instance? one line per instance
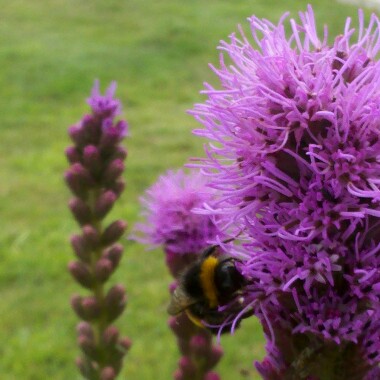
(179, 301)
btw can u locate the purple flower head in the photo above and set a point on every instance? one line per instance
(294, 142)
(104, 104)
(295, 125)
(169, 211)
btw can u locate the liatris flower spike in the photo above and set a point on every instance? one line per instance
(294, 133)
(170, 222)
(94, 177)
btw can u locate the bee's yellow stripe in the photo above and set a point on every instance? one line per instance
(194, 319)
(207, 280)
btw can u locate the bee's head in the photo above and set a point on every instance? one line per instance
(227, 278)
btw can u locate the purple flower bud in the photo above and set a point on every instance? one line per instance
(91, 308)
(110, 336)
(72, 154)
(125, 344)
(87, 308)
(77, 135)
(92, 159)
(113, 171)
(178, 375)
(91, 236)
(81, 273)
(212, 376)
(81, 249)
(85, 329)
(103, 269)
(113, 232)
(173, 286)
(187, 366)
(200, 345)
(114, 254)
(76, 304)
(122, 128)
(88, 346)
(109, 139)
(214, 356)
(78, 179)
(80, 210)
(115, 302)
(108, 373)
(104, 204)
(118, 187)
(120, 152)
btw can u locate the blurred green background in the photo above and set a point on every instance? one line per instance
(50, 53)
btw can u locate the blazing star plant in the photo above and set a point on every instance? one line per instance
(95, 178)
(294, 152)
(171, 223)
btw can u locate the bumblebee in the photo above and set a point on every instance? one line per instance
(207, 284)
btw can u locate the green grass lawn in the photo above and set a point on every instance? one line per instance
(50, 53)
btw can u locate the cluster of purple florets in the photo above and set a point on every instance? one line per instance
(170, 220)
(295, 156)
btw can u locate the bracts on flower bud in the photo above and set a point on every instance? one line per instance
(94, 177)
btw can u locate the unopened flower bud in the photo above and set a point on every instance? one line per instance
(114, 254)
(85, 329)
(110, 336)
(87, 308)
(103, 269)
(91, 159)
(212, 376)
(72, 154)
(81, 273)
(91, 236)
(178, 375)
(81, 249)
(122, 128)
(113, 232)
(88, 346)
(109, 139)
(104, 204)
(113, 171)
(200, 345)
(118, 187)
(213, 357)
(108, 373)
(125, 344)
(120, 152)
(187, 366)
(173, 286)
(91, 308)
(115, 302)
(78, 179)
(77, 135)
(80, 210)
(92, 130)
(76, 304)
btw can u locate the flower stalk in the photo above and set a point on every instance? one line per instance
(95, 178)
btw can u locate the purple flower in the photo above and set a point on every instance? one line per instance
(169, 207)
(294, 142)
